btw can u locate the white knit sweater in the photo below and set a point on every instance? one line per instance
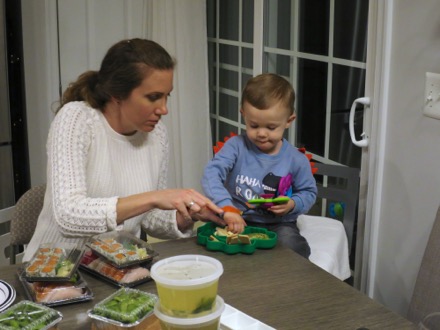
(89, 167)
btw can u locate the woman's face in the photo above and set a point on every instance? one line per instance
(146, 104)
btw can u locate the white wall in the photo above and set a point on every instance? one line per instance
(411, 188)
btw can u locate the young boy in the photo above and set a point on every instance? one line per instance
(262, 163)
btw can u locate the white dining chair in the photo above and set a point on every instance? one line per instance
(330, 239)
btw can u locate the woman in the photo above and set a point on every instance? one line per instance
(108, 154)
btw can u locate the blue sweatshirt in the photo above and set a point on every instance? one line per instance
(240, 172)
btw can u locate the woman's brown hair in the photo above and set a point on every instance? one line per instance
(124, 67)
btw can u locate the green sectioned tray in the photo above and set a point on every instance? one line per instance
(208, 229)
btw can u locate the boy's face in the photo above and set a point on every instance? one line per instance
(265, 128)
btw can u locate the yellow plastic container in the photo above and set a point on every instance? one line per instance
(209, 321)
(187, 285)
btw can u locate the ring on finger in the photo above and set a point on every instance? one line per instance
(190, 204)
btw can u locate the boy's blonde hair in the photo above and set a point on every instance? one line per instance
(266, 90)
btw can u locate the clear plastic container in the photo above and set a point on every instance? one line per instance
(57, 293)
(125, 308)
(187, 285)
(121, 248)
(27, 315)
(123, 277)
(53, 262)
(209, 321)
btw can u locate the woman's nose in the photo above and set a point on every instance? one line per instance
(162, 109)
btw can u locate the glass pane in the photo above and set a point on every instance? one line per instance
(350, 36)
(313, 26)
(229, 79)
(212, 101)
(244, 78)
(212, 64)
(226, 129)
(228, 107)
(311, 105)
(229, 19)
(211, 18)
(248, 21)
(279, 64)
(247, 58)
(348, 84)
(213, 132)
(229, 54)
(278, 16)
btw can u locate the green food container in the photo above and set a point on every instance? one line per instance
(125, 308)
(27, 315)
(260, 238)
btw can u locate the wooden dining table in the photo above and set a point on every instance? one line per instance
(275, 286)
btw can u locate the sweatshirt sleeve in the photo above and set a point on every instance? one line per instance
(304, 186)
(216, 172)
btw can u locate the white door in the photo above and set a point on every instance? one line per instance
(321, 48)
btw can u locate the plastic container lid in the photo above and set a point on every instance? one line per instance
(191, 322)
(183, 265)
(125, 306)
(27, 315)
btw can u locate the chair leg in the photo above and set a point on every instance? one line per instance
(12, 253)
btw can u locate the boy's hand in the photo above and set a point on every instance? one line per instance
(234, 222)
(282, 209)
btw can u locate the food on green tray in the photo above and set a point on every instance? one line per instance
(29, 315)
(232, 238)
(258, 236)
(126, 306)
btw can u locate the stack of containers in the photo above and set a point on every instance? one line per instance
(119, 258)
(187, 287)
(51, 276)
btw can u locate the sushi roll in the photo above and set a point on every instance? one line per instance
(33, 269)
(119, 258)
(48, 271)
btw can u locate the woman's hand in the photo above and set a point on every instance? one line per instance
(182, 200)
(206, 214)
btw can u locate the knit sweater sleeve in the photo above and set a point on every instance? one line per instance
(160, 223)
(68, 146)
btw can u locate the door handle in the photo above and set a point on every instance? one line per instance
(364, 142)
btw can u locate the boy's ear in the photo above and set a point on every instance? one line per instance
(290, 120)
(241, 112)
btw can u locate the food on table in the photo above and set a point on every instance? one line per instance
(53, 262)
(54, 293)
(232, 238)
(50, 263)
(121, 248)
(126, 306)
(126, 275)
(30, 316)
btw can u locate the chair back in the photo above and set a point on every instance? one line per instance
(25, 217)
(424, 308)
(5, 238)
(347, 193)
